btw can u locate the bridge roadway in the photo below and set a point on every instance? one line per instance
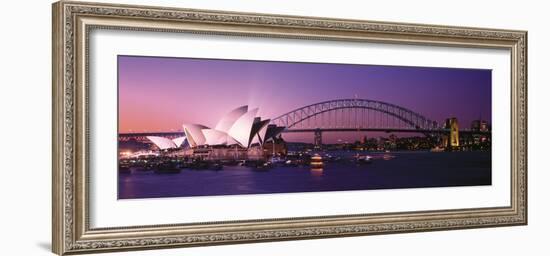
(160, 134)
(424, 131)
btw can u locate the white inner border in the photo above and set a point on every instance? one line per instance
(107, 211)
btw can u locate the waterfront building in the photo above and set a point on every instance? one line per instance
(275, 147)
(479, 126)
(238, 133)
(482, 139)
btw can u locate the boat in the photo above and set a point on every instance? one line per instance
(363, 159)
(437, 149)
(229, 162)
(277, 160)
(124, 169)
(124, 166)
(167, 168)
(316, 161)
(292, 163)
(216, 166)
(199, 165)
(263, 166)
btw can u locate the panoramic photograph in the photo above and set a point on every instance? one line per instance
(192, 127)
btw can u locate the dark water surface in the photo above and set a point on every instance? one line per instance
(401, 170)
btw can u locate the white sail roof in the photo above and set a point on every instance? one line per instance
(179, 141)
(262, 133)
(259, 131)
(241, 129)
(165, 143)
(215, 137)
(272, 132)
(194, 134)
(230, 118)
(162, 143)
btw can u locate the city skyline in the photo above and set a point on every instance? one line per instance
(161, 93)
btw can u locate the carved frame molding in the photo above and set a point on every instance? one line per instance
(72, 22)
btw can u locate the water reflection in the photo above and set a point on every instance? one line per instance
(388, 157)
(316, 172)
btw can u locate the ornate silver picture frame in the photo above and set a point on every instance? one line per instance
(74, 21)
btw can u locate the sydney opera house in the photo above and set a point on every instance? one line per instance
(240, 128)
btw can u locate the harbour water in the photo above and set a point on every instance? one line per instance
(414, 169)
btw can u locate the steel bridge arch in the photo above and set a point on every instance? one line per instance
(297, 116)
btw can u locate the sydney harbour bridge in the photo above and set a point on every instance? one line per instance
(348, 115)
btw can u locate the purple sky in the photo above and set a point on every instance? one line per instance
(159, 94)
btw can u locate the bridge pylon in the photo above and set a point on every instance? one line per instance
(318, 139)
(452, 141)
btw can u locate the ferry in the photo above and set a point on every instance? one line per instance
(316, 161)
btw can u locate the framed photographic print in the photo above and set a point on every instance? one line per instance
(178, 127)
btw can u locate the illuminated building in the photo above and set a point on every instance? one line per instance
(481, 140)
(275, 147)
(479, 126)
